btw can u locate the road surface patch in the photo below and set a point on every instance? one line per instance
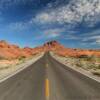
(47, 65)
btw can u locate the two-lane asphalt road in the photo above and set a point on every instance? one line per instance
(48, 79)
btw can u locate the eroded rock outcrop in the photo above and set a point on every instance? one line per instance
(9, 51)
(73, 52)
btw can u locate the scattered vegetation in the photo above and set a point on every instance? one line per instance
(89, 63)
(21, 59)
(2, 58)
(96, 72)
(4, 67)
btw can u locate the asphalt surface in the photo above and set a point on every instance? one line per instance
(63, 83)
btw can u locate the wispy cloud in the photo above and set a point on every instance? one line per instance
(50, 34)
(71, 36)
(73, 13)
(98, 41)
(53, 33)
(92, 40)
(16, 26)
(65, 20)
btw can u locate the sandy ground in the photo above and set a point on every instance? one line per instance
(10, 67)
(74, 67)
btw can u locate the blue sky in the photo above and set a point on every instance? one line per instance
(74, 23)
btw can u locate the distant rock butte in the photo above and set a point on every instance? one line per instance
(73, 52)
(9, 51)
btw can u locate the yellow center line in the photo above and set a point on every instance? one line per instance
(47, 89)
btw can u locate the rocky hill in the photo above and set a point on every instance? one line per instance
(61, 50)
(10, 51)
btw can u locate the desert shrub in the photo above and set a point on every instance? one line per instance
(91, 66)
(2, 58)
(2, 68)
(22, 58)
(83, 56)
(78, 64)
(98, 66)
(88, 58)
(96, 73)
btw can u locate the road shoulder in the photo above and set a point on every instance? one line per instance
(18, 68)
(80, 70)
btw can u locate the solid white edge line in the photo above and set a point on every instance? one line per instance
(19, 70)
(91, 77)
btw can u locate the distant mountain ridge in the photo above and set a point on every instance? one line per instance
(10, 51)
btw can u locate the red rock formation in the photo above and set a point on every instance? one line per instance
(8, 51)
(61, 50)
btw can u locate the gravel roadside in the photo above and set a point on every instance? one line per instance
(12, 70)
(74, 67)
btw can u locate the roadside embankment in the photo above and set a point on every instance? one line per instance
(88, 68)
(10, 68)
